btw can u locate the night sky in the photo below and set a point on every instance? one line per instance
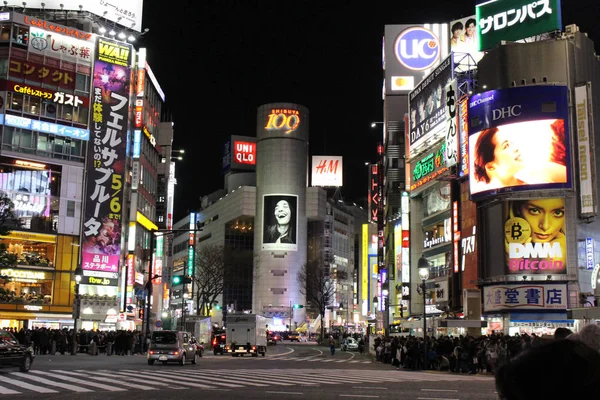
(217, 61)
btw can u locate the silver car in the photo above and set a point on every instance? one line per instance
(171, 346)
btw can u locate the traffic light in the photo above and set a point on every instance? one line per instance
(298, 306)
(217, 307)
(180, 280)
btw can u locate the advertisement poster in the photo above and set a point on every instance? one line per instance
(532, 297)
(464, 43)
(585, 153)
(280, 222)
(535, 237)
(102, 226)
(513, 20)
(519, 140)
(327, 171)
(452, 138)
(427, 105)
(410, 53)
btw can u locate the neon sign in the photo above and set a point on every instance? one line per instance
(283, 119)
(429, 167)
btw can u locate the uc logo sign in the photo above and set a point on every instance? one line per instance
(417, 48)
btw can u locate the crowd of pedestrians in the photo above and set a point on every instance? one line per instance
(467, 354)
(60, 341)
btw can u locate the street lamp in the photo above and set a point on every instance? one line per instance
(76, 305)
(424, 275)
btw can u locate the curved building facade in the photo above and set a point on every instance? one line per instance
(280, 239)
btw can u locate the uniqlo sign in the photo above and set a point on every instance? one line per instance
(244, 152)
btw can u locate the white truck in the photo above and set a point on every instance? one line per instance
(246, 334)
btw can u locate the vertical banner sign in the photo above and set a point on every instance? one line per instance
(106, 157)
(463, 132)
(589, 253)
(451, 128)
(455, 234)
(373, 192)
(585, 153)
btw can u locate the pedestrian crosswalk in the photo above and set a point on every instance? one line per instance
(148, 379)
(319, 358)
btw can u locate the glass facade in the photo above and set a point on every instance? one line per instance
(239, 263)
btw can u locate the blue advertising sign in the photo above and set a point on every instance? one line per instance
(137, 143)
(519, 140)
(589, 253)
(46, 127)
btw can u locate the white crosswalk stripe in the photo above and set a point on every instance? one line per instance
(85, 381)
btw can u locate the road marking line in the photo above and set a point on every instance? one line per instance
(289, 352)
(366, 362)
(25, 385)
(281, 381)
(273, 392)
(434, 398)
(340, 361)
(172, 381)
(359, 395)
(4, 390)
(369, 387)
(320, 352)
(228, 377)
(101, 379)
(354, 362)
(439, 390)
(51, 383)
(81, 382)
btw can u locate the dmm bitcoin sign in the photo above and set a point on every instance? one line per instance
(282, 118)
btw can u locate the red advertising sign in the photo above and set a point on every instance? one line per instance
(139, 110)
(373, 192)
(406, 239)
(33, 71)
(141, 76)
(455, 234)
(244, 152)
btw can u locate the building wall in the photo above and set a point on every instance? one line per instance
(282, 165)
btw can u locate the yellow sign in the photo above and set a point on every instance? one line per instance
(34, 237)
(114, 52)
(365, 263)
(283, 119)
(18, 274)
(145, 222)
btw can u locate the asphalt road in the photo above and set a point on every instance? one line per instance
(302, 370)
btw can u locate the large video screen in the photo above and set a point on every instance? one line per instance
(518, 140)
(535, 236)
(280, 222)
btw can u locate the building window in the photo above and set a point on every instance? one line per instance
(70, 208)
(15, 101)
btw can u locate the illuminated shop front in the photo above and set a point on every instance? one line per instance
(34, 189)
(36, 280)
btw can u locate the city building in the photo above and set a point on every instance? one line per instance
(44, 123)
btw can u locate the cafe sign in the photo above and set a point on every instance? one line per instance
(428, 167)
(22, 275)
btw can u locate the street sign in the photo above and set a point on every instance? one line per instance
(159, 323)
(122, 317)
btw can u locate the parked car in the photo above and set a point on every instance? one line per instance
(350, 344)
(13, 354)
(172, 346)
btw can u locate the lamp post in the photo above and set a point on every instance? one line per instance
(76, 305)
(424, 275)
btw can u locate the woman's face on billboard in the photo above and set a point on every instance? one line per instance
(470, 31)
(283, 212)
(546, 218)
(507, 157)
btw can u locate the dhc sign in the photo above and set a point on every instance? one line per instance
(417, 48)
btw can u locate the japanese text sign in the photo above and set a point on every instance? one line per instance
(57, 97)
(59, 46)
(106, 165)
(46, 127)
(451, 107)
(428, 167)
(32, 71)
(515, 20)
(534, 297)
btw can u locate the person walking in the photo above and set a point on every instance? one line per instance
(331, 345)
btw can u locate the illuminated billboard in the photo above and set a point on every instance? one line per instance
(427, 167)
(101, 235)
(62, 47)
(127, 13)
(280, 222)
(525, 297)
(327, 171)
(513, 20)
(410, 53)
(239, 153)
(427, 107)
(464, 42)
(518, 140)
(535, 236)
